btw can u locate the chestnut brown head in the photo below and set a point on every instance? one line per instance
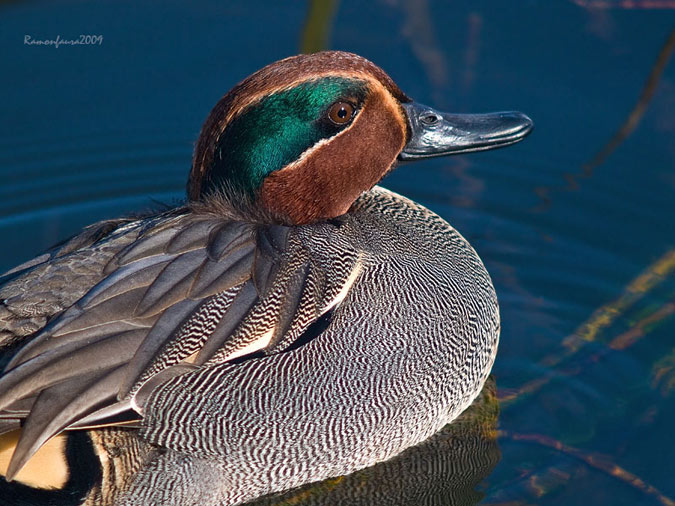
(298, 141)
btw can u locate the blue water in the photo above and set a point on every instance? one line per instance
(97, 131)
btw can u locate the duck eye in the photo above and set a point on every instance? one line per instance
(341, 113)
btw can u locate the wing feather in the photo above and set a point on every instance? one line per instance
(57, 407)
(164, 328)
(241, 305)
(43, 343)
(67, 362)
(190, 238)
(171, 284)
(215, 277)
(186, 291)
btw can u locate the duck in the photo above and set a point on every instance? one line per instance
(290, 322)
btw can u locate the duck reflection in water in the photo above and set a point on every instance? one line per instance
(445, 469)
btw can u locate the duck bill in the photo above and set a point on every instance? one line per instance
(434, 133)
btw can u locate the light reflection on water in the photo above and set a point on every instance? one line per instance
(92, 133)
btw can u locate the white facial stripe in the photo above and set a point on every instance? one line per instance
(309, 151)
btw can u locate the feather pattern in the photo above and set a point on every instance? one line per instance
(384, 317)
(183, 290)
(406, 351)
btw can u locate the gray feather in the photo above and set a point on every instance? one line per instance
(58, 406)
(172, 284)
(65, 362)
(164, 328)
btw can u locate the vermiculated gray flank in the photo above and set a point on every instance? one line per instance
(408, 349)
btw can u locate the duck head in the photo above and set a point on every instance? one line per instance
(298, 141)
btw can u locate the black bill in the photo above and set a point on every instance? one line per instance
(434, 133)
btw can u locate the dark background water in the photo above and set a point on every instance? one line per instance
(575, 224)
